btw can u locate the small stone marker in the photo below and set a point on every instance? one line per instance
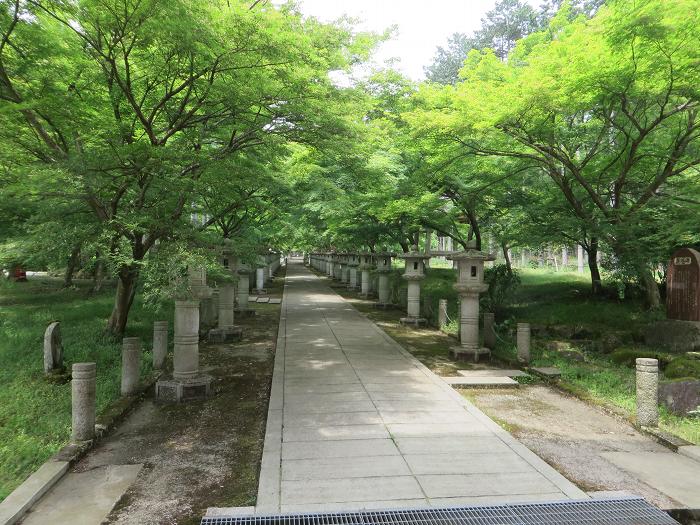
(647, 392)
(489, 331)
(523, 342)
(442, 313)
(683, 286)
(53, 348)
(275, 301)
(481, 382)
(263, 300)
(83, 401)
(131, 365)
(160, 344)
(252, 298)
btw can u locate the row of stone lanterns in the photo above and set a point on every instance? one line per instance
(470, 284)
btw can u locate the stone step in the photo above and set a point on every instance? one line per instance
(481, 382)
(492, 372)
(263, 300)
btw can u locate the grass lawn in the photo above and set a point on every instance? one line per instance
(35, 414)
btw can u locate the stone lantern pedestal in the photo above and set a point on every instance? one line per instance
(470, 283)
(243, 289)
(383, 259)
(414, 274)
(226, 331)
(344, 269)
(353, 263)
(187, 383)
(365, 267)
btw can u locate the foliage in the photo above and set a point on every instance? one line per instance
(503, 284)
(681, 367)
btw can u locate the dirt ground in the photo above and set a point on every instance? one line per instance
(199, 454)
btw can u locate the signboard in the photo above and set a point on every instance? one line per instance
(683, 286)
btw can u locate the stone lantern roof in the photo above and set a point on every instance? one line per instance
(414, 254)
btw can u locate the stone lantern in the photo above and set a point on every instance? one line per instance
(243, 269)
(335, 274)
(187, 383)
(226, 331)
(470, 283)
(260, 275)
(353, 263)
(383, 264)
(344, 269)
(365, 267)
(414, 273)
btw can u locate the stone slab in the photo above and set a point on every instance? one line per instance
(551, 372)
(465, 462)
(333, 419)
(34, 487)
(690, 451)
(263, 300)
(252, 298)
(275, 301)
(334, 468)
(451, 445)
(350, 506)
(350, 489)
(339, 449)
(492, 372)
(673, 474)
(481, 382)
(84, 498)
(511, 484)
(335, 433)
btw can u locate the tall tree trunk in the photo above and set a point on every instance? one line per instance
(126, 290)
(506, 256)
(474, 225)
(98, 276)
(653, 296)
(72, 265)
(596, 281)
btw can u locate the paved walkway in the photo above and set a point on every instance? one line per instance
(356, 422)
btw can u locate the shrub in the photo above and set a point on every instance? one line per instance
(683, 367)
(627, 355)
(502, 286)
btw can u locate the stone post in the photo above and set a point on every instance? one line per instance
(523, 342)
(243, 288)
(353, 263)
(186, 348)
(160, 344)
(470, 283)
(579, 258)
(131, 365)
(489, 330)
(344, 269)
(227, 295)
(260, 280)
(647, 392)
(383, 263)
(442, 313)
(83, 401)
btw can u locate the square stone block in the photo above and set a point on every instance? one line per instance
(225, 335)
(179, 391)
(459, 353)
(415, 321)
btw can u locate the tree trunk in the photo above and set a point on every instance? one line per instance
(506, 256)
(126, 290)
(98, 277)
(596, 281)
(653, 296)
(72, 265)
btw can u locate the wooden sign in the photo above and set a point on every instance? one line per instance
(683, 286)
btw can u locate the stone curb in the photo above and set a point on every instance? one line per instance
(47, 475)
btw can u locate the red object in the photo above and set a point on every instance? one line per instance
(683, 286)
(20, 274)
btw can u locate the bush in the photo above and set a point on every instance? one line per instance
(683, 367)
(503, 284)
(627, 355)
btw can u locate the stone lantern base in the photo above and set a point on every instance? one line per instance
(461, 353)
(225, 335)
(415, 321)
(182, 390)
(244, 311)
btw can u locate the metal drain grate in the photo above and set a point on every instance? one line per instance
(625, 511)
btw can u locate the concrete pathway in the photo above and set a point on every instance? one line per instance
(356, 422)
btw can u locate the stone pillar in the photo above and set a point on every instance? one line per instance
(186, 348)
(565, 257)
(442, 313)
(131, 365)
(83, 401)
(579, 258)
(469, 324)
(364, 289)
(647, 392)
(489, 330)
(413, 299)
(353, 278)
(383, 289)
(523, 342)
(160, 344)
(260, 280)
(243, 285)
(227, 293)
